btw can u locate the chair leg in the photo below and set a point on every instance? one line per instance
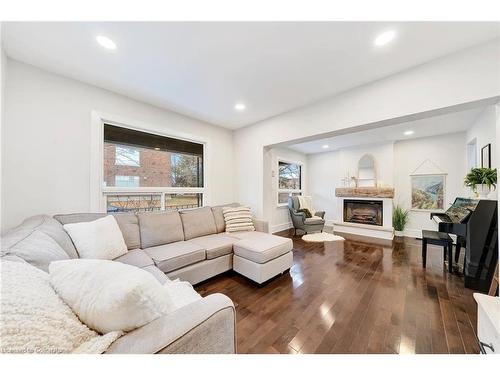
(450, 258)
(458, 247)
(424, 253)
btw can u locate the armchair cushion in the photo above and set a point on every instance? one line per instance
(321, 214)
(305, 211)
(314, 221)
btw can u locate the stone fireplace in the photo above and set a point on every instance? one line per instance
(359, 211)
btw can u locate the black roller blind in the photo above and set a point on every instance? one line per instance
(119, 135)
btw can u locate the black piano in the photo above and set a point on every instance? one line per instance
(475, 223)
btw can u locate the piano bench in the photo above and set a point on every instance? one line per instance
(433, 237)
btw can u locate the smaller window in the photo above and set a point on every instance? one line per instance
(129, 156)
(127, 181)
(290, 176)
(289, 181)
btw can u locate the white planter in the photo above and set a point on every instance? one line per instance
(483, 191)
(398, 233)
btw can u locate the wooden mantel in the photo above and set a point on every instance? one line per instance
(365, 192)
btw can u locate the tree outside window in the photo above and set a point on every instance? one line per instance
(289, 181)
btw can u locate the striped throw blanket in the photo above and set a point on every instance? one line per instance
(238, 219)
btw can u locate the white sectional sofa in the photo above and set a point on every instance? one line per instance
(190, 245)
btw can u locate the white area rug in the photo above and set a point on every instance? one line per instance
(321, 237)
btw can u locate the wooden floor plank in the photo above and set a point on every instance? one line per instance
(355, 296)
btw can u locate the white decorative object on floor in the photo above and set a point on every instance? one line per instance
(322, 237)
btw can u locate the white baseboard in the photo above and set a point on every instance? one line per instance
(280, 227)
(414, 233)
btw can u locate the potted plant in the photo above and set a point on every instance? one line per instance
(481, 180)
(400, 218)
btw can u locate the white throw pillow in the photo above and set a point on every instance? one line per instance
(238, 219)
(35, 319)
(181, 293)
(98, 239)
(109, 296)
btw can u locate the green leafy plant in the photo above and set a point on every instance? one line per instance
(481, 176)
(400, 217)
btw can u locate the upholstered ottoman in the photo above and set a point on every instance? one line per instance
(261, 256)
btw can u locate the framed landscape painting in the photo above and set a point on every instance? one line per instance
(428, 192)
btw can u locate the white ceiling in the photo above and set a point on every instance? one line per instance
(203, 69)
(437, 125)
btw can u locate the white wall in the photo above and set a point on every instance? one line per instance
(326, 170)
(279, 216)
(454, 80)
(446, 153)
(484, 131)
(46, 142)
(395, 162)
(3, 65)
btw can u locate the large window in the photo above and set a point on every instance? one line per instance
(289, 181)
(127, 155)
(147, 172)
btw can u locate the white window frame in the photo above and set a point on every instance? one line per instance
(98, 191)
(289, 191)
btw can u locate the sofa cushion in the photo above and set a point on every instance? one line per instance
(52, 228)
(198, 222)
(176, 255)
(157, 273)
(127, 221)
(160, 228)
(129, 225)
(216, 245)
(220, 223)
(35, 247)
(262, 247)
(136, 257)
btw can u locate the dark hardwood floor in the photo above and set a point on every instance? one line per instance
(353, 297)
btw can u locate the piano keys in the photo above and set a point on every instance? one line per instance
(475, 223)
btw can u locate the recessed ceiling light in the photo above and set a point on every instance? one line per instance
(157, 149)
(240, 106)
(325, 146)
(409, 132)
(385, 38)
(105, 42)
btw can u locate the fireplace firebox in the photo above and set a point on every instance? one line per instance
(363, 211)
